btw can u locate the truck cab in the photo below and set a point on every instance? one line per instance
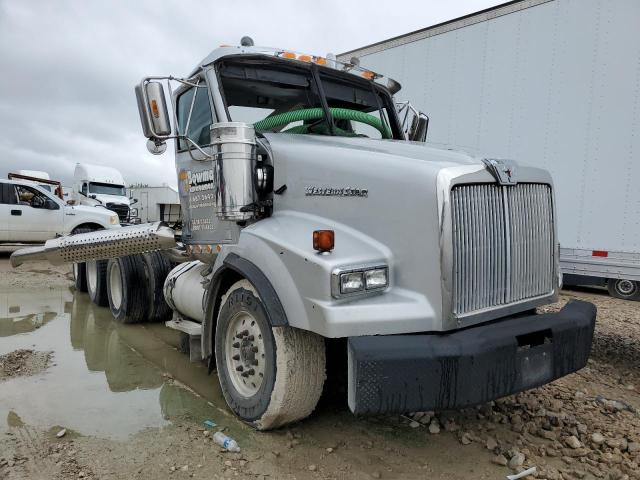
(99, 185)
(317, 222)
(31, 214)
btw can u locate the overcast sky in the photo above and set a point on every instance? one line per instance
(68, 68)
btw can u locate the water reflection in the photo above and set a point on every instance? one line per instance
(23, 311)
(107, 379)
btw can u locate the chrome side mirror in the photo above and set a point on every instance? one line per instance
(414, 123)
(419, 127)
(152, 107)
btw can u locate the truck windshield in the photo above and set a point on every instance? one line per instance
(278, 96)
(106, 189)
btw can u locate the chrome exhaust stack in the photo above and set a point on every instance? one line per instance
(99, 245)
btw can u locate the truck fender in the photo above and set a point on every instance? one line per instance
(242, 267)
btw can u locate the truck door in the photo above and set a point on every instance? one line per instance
(34, 217)
(199, 122)
(4, 212)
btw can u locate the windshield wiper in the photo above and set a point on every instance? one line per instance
(325, 106)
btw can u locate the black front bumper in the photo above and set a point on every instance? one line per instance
(410, 373)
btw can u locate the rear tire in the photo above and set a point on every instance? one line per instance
(270, 376)
(127, 289)
(80, 277)
(156, 268)
(96, 278)
(624, 289)
(79, 270)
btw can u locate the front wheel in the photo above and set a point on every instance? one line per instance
(624, 289)
(270, 376)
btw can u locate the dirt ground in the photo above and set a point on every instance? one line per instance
(120, 402)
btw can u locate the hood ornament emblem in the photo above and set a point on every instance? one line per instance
(504, 171)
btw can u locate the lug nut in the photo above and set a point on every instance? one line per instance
(245, 374)
(236, 357)
(251, 371)
(254, 361)
(239, 368)
(254, 349)
(244, 333)
(250, 338)
(236, 345)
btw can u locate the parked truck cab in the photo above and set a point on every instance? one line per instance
(313, 211)
(98, 185)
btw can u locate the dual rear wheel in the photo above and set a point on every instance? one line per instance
(130, 286)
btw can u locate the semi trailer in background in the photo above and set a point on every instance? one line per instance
(153, 204)
(318, 229)
(549, 83)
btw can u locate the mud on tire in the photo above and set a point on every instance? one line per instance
(127, 289)
(293, 369)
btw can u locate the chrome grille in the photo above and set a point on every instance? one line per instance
(503, 244)
(121, 209)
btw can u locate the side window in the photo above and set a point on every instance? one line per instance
(84, 188)
(200, 116)
(7, 194)
(26, 195)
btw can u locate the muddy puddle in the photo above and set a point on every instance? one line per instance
(105, 379)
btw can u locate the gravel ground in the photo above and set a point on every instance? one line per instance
(585, 425)
(23, 362)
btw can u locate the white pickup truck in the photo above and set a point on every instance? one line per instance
(31, 214)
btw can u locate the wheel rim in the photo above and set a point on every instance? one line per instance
(625, 287)
(92, 275)
(115, 285)
(244, 354)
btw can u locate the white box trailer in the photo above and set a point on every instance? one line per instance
(551, 83)
(153, 204)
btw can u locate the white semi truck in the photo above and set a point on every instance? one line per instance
(553, 84)
(97, 185)
(315, 221)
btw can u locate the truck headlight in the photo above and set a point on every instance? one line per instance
(351, 282)
(114, 220)
(376, 278)
(361, 279)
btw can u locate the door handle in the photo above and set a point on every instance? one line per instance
(16, 213)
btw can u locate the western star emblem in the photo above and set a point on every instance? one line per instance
(504, 171)
(312, 190)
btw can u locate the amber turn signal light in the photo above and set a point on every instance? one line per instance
(323, 240)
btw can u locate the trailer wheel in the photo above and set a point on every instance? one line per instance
(156, 268)
(96, 277)
(127, 289)
(624, 289)
(270, 376)
(79, 271)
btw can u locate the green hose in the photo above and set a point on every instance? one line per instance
(317, 114)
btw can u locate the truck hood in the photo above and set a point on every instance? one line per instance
(98, 210)
(387, 202)
(438, 157)
(118, 199)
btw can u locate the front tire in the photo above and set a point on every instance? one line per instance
(624, 289)
(270, 376)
